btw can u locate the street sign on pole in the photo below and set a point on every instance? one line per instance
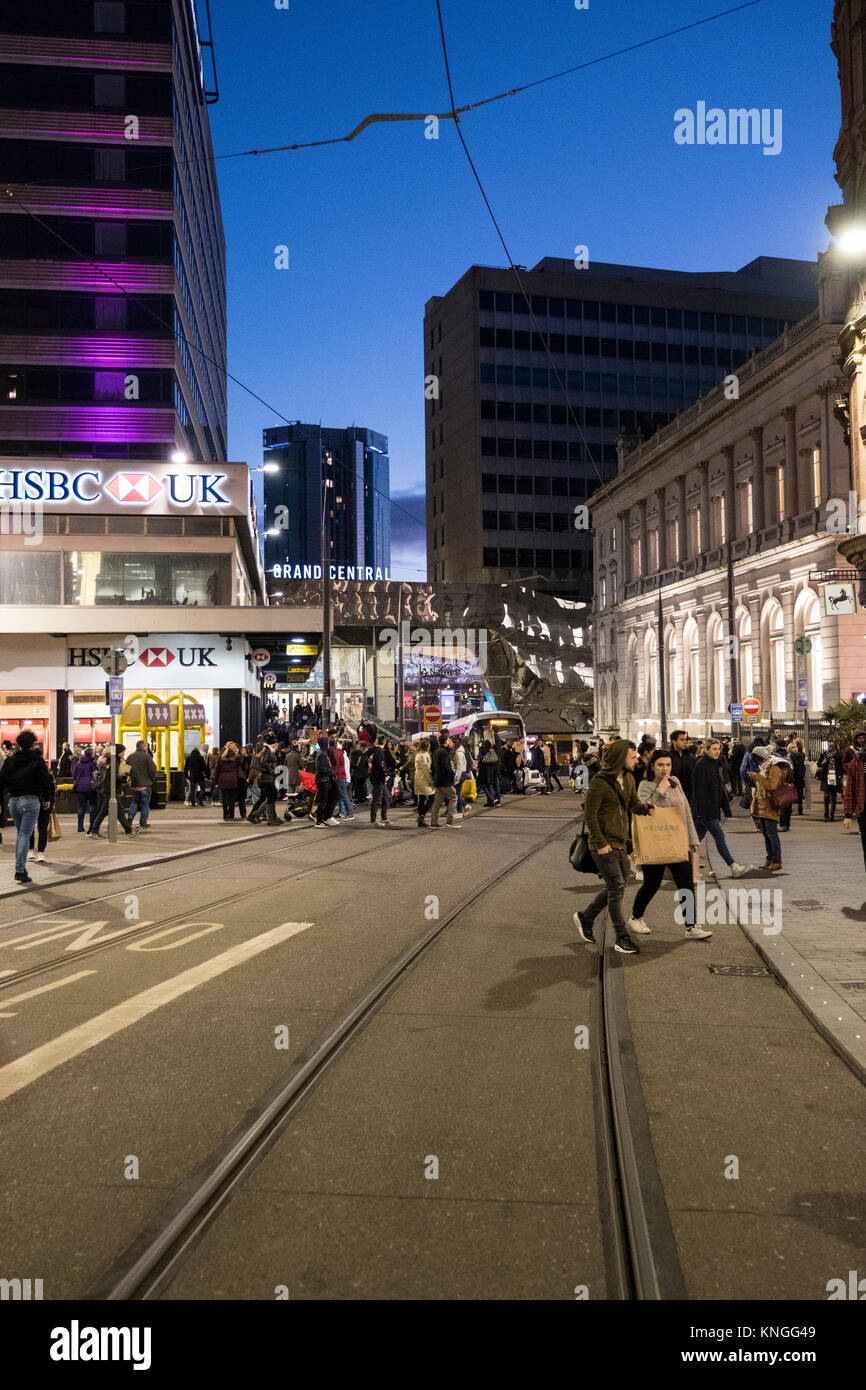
(114, 663)
(751, 709)
(736, 714)
(115, 694)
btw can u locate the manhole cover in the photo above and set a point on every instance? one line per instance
(745, 972)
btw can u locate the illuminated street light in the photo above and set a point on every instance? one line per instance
(851, 242)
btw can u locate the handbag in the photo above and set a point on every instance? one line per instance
(469, 789)
(746, 800)
(579, 854)
(54, 831)
(784, 796)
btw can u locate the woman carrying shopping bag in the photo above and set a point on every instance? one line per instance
(660, 788)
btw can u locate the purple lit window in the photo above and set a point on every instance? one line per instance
(109, 386)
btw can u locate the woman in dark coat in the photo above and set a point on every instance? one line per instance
(83, 784)
(829, 774)
(226, 776)
(488, 772)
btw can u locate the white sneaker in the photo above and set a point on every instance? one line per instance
(698, 933)
(331, 821)
(737, 871)
(638, 873)
(41, 858)
(639, 925)
(31, 854)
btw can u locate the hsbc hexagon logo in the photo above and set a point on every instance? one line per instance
(156, 656)
(133, 487)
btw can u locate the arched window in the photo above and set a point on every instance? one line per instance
(807, 623)
(602, 587)
(744, 633)
(632, 674)
(651, 669)
(671, 670)
(773, 657)
(692, 660)
(613, 595)
(717, 652)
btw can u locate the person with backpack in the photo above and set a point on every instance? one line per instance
(264, 770)
(142, 776)
(488, 772)
(25, 779)
(610, 802)
(84, 786)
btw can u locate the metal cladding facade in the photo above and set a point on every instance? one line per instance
(112, 252)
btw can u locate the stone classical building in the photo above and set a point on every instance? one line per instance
(734, 491)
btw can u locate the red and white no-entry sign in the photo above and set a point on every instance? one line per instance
(261, 656)
(752, 706)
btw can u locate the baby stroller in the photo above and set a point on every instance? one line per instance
(301, 803)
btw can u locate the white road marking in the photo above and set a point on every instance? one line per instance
(33, 1065)
(43, 989)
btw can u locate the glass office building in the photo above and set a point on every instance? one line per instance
(299, 460)
(113, 302)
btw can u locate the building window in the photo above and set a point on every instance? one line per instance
(816, 483)
(673, 547)
(747, 513)
(602, 593)
(719, 519)
(695, 531)
(653, 547)
(635, 558)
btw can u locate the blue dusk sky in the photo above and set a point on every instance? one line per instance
(377, 226)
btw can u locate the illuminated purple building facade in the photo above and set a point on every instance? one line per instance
(112, 252)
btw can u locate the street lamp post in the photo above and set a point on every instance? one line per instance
(326, 607)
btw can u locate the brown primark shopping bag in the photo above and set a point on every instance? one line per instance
(660, 838)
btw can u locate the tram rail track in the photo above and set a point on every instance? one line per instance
(642, 1261)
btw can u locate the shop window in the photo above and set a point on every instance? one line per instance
(29, 579)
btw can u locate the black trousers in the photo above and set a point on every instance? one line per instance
(652, 880)
(424, 804)
(229, 796)
(326, 800)
(266, 802)
(861, 821)
(830, 794)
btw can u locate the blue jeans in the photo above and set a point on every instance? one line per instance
(140, 801)
(770, 831)
(24, 811)
(718, 834)
(345, 804)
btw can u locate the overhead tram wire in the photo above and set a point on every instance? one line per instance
(562, 386)
(454, 115)
(8, 189)
(382, 117)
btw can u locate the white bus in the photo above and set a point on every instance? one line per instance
(502, 725)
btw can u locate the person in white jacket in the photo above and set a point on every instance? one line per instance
(660, 788)
(459, 761)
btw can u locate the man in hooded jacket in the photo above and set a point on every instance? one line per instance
(610, 800)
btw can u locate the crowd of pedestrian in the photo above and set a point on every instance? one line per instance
(699, 783)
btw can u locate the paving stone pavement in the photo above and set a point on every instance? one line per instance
(820, 951)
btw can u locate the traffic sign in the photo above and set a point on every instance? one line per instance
(752, 709)
(802, 691)
(432, 717)
(115, 694)
(261, 657)
(803, 646)
(736, 714)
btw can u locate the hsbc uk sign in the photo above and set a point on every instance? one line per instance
(156, 658)
(127, 488)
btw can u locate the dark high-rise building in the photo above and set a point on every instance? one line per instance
(524, 409)
(299, 460)
(112, 254)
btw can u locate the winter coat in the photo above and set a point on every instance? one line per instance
(649, 793)
(855, 784)
(488, 768)
(24, 773)
(423, 778)
(85, 771)
(324, 770)
(293, 768)
(340, 764)
(683, 768)
(707, 796)
(607, 809)
(227, 772)
(798, 762)
(824, 768)
(142, 768)
(195, 765)
(769, 778)
(442, 769)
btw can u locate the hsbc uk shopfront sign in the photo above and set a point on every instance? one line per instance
(160, 489)
(163, 661)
